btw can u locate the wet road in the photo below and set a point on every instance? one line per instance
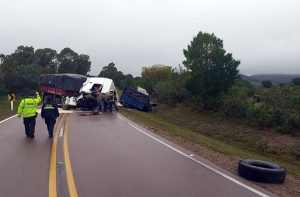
(106, 155)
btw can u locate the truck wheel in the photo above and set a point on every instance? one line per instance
(63, 104)
(261, 171)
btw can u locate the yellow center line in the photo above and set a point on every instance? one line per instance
(52, 173)
(70, 178)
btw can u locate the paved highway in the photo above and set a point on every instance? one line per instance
(106, 155)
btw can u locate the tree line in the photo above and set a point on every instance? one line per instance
(20, 71)
(208, 79)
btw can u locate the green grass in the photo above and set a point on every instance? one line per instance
(212, 131)
(5, 107)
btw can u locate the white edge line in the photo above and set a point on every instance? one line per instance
(119, 116)
(8, 118)
(206, 166)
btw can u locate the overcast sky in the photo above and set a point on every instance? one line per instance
(263, 34)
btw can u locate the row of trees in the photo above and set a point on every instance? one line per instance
(207, 80)
(269, 84)
(20, 71)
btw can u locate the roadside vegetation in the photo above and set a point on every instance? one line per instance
(211, 130)
(5, 107)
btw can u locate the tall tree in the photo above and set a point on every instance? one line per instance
(108, 71)
(47, 59)
(83, 64)
(213, 71)
(24, 55)
(66, 61)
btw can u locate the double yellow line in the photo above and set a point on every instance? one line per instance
(53, 165)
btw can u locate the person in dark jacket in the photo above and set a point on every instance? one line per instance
(50, 113)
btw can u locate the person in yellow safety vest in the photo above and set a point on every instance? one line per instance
(27, 108)
(112, 99)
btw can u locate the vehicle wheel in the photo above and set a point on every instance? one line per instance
(261, 171)
(63, 104)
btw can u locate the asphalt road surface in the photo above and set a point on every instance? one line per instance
(106, 155)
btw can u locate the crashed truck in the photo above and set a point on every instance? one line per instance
(136, 98)
(74, 90)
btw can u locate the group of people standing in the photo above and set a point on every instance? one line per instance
(28, 107)
(49, 111)
(110, 98)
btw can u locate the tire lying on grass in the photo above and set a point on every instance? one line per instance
(261, 171)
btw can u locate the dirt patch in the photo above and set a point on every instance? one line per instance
(280, 140)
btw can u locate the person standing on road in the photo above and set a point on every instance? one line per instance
(100, 101)
(50, 113)
(27, 108)
(112, 99)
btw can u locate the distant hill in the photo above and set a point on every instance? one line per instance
(248, 78)
(274, 78)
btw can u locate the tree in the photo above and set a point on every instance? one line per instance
(47, 59)
(23, 80)
(127, 81)
(153, 75)
(24, 55)
(266, 83)
(157, 72)
(83, 64)
(296, 81)
(66, 58)
(2, 56)
(108, 71)
(245, 86)
(117, 78)
(213, 71)
(3, 89)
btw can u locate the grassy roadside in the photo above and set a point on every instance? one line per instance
(5, 107)
(216, 134)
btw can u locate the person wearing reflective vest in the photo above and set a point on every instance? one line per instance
(27, 108)
(50, 112)
(112, 99)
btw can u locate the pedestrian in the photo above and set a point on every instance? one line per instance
(100, 101)
(27, 108)
(115, 101)
(50, 113)
(112, 99)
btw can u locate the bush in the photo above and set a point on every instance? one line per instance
(235, 103)
(167, 93)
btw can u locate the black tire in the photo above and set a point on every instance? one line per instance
(63, 104)
(261, 171)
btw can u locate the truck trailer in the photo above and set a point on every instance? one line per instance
(74, 90)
